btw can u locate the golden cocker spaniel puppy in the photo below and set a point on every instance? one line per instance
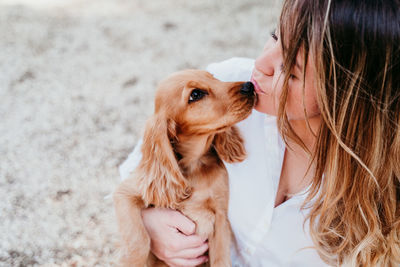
(184, 144)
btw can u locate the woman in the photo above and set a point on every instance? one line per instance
(325, 188)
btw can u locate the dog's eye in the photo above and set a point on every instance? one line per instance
(196, 95)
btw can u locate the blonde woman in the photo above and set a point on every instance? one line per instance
(321, 184)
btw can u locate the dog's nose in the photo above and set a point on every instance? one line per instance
(247, 88)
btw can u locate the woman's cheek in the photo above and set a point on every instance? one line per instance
(295, 103)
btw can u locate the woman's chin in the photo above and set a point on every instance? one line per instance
(266, 109)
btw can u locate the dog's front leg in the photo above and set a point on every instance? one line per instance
(219, 244)
(135, 240)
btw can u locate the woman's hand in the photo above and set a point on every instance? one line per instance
(173, 239)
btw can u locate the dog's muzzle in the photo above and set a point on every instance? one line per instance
(247, 89)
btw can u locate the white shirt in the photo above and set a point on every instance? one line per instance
(265, 236)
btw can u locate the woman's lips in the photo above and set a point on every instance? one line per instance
(256, 86)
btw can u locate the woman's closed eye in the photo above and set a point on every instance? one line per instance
(196, 95)
(291, 76)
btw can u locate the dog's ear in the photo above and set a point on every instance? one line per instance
(162, 183)
(229, 145)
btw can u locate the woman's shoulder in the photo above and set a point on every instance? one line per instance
(233, 69)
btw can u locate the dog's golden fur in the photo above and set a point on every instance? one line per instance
(181, 168)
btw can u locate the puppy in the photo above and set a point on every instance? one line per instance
(184, 144)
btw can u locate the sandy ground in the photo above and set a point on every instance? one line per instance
(77, 80)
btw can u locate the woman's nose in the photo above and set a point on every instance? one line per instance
(264, 64)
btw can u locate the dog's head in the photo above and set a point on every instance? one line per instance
(198, 103)
(190, 103)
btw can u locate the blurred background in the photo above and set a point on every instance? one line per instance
(77, 79)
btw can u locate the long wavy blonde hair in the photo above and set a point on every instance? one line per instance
(354, 200)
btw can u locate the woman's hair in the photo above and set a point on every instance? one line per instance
(355, 197)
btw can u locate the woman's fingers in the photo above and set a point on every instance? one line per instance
(192, 253)
(180, 246)
(179, 262)
(182, 223)
(173, 239)
(191, 241)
